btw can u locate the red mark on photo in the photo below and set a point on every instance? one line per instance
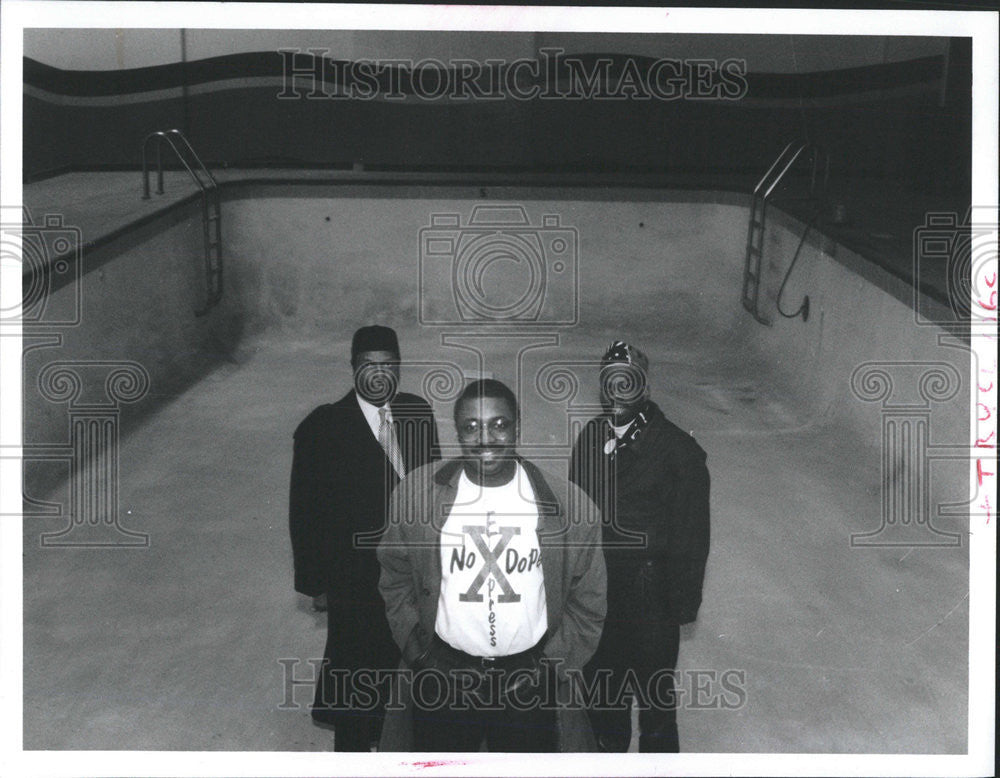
(436, 763)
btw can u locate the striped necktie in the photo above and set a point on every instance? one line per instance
(387, 439)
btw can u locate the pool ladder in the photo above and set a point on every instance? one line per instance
(758, 210)
(211, 205)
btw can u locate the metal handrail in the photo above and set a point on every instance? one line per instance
(758, 209)
(166, 136)
(792, 152)
(209, 197)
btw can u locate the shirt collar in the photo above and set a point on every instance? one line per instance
(619, 431)
(519, 473)
(371, 411)
(550, 509)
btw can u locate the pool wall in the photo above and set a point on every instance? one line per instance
(135, 300)
(313, 262)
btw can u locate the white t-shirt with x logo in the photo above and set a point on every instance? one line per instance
(492, 600)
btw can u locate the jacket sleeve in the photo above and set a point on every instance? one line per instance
(305, 517)
(687, 551)
(396, 579)
(575, 640)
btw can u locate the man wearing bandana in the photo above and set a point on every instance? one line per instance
(650, 481)
(348, 457)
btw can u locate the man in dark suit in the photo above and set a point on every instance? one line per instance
(348, 458)
(651, 483)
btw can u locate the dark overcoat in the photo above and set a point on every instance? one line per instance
(654, 495)
(340, 485)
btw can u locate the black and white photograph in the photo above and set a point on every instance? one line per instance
(476, 390)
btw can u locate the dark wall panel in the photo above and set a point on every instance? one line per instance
(883, 120)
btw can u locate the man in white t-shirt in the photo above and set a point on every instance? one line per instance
(497, 610)
(492, 576)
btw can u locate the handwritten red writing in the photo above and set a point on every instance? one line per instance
(986, 401)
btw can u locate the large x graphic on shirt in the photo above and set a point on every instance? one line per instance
(490, 558)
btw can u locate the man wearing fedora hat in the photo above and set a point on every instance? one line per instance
(348, 457)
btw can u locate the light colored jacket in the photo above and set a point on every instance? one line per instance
(572, 564)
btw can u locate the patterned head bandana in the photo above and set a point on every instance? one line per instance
(620, 351)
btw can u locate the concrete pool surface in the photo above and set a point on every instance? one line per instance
(179, 645)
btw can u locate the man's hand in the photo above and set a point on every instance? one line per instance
(319, 602)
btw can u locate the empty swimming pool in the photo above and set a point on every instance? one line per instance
(171, 623)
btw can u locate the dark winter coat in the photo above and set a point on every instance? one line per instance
(654, 496)
(340, 486)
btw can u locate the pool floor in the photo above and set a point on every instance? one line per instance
(178, 645)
